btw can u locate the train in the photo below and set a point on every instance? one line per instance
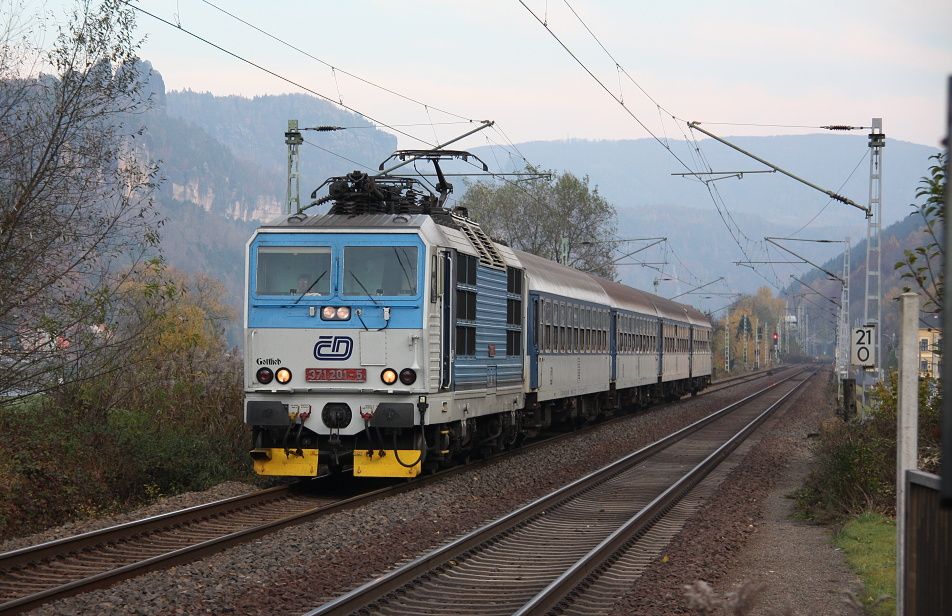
(392, 336)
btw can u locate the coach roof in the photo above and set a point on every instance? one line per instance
(549, 277)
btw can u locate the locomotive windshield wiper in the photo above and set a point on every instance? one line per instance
(308, 290)
(386, 311)
(369, 296)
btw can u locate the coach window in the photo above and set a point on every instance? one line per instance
(545, 325)
(625, 336)
(576, 329)
(293, 270)
(548, 326)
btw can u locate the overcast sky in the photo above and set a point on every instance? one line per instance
(794, 63)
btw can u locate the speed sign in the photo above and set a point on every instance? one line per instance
(863, 346)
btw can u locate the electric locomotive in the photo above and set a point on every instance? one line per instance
(392, 335)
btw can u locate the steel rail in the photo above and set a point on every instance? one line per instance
(639, 523)
(64, 547)
(379, 587)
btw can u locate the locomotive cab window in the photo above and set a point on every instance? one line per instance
(380, 270)
(293, 270)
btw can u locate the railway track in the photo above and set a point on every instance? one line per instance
(38, 574)
(551, 554)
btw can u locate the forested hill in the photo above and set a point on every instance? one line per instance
(906, 234)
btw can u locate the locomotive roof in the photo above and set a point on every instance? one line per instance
(360, 221)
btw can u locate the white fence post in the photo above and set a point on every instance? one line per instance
(907, 428)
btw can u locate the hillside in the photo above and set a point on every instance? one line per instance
(907, 233)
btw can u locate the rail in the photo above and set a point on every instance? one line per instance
(446, 556)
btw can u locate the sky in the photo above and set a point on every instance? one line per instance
(794, 64)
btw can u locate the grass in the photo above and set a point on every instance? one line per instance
(869, 543)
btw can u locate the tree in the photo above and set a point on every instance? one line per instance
(748, 314)
(76, 211)
(923, 265)
(548, 216)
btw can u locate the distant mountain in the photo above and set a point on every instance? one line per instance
(635, 175)
(252, 130)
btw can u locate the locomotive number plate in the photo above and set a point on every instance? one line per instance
(331, 375)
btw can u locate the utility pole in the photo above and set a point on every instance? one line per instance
(294, 140)
(872, 307)
(756, 344)
(843, 323)
(727, 343)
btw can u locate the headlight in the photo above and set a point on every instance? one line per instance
(335, 313)
(264, 375)
(408, 376)
(283, 375)
(389, 376)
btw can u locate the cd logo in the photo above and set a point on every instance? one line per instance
(334, 348)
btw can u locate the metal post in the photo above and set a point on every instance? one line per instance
(906, 428)
(946, 493)
(727, 343)
(294, 140)
(872, 306)
(843, 324)
(756, 344)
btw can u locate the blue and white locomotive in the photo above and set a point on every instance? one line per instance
(391, 335)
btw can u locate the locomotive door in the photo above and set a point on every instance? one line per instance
(612, 342)
(691, 351)
(449, 321)
(533, 335)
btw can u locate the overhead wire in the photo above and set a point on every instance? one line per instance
(462, 119)
(393, 127)
(603, 86)
(274, 73)
(332, 66)
(838, 190)
(714, 193)
(618, 99)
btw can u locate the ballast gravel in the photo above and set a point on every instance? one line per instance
(299, 568)
(163, 505)
(723, 545)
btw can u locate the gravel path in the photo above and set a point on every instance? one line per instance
(743, 547)
(296, 568)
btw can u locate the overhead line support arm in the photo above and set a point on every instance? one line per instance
(829, 193)
(805, 260)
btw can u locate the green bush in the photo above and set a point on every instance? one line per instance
(855, 461)
(171, 421)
